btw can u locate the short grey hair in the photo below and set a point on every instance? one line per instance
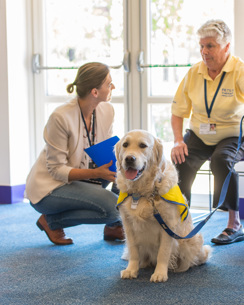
(216, 28)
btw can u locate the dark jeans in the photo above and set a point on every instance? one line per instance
(222, 156)
(79, 203)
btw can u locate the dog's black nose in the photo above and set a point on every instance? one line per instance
(130, 160)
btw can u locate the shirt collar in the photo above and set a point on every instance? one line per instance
(228, 67)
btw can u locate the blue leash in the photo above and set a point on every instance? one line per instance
(221, 200)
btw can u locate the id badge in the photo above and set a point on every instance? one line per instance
(92, 165)
(207, 128)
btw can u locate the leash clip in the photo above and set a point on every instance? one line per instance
(135, 200)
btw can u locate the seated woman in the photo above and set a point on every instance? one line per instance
(212, 93)
(64, 184)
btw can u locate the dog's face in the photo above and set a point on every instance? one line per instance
(136, 152)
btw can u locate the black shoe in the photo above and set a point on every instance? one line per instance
(233, 236)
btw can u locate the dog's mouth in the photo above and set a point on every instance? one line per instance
(133, 174)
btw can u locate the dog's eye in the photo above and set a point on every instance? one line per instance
(142, 145)
(125, 144)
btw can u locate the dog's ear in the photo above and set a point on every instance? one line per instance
(117, 148)
(158, 151)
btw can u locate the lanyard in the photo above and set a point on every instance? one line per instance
(205, 94)
(93, 127)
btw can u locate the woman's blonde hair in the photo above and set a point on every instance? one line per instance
(216, 28)
(89, 76)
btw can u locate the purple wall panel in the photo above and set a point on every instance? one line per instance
(12, 194)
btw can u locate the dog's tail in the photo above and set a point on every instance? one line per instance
(207, 252)
(192, 252)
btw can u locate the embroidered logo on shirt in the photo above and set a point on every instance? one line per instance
(227, 92)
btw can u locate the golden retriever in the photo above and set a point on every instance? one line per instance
(143, 175)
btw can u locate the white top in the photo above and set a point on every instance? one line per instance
(64, 147)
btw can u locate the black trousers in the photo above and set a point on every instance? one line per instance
(222, 156)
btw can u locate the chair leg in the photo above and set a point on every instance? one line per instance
(210, 189)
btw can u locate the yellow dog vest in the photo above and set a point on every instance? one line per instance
(174, 196)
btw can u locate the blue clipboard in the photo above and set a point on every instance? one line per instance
(103, 152)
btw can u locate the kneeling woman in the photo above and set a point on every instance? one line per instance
(64, 185)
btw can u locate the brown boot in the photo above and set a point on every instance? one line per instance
(56, 236)
(114, 232)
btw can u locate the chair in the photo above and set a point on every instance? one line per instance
(209, 173)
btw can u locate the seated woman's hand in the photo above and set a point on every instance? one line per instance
(178, 152)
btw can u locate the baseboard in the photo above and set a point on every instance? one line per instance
(241, 207)
(202, 201)
(11, 194)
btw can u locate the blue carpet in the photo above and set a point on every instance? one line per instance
(33, 271)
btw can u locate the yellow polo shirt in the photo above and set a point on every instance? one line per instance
(228, 107)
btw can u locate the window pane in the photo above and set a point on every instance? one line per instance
(78, 32)
(49, 108)
(159, 121)
(173, 37)
(57, 81)
(159, 124)
(119, 128)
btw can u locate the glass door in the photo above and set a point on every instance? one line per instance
(169, 46)
(168, 50)
(67, 34)
(149, 44)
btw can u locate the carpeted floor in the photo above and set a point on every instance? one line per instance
(34, 271)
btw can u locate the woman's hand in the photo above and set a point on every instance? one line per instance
(99, 172)
(178, 152)
(104, 172)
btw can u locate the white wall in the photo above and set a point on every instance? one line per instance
(238, 24)
(14, 92)
(4, 112)
(239, 51)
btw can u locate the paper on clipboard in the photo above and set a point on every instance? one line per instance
(103, 152)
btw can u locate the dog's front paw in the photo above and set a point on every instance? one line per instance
(128, 274)
(158, 277)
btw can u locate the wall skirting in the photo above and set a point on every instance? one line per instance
(11, 194)
(241, 207)
(202, 200)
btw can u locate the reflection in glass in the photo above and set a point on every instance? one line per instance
(173, 39)
(159, 124)
(78, 32)
(119, 126)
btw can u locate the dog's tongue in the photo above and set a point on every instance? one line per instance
(130, 173)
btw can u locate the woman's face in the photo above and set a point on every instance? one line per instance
(213, 54)
(105, 91)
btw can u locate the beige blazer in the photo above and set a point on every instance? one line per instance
(63, 135)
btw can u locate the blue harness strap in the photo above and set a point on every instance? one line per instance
(221, 199)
